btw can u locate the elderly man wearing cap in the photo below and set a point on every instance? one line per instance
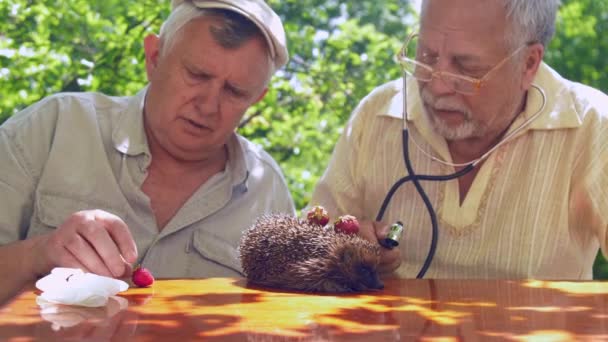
(160, 178)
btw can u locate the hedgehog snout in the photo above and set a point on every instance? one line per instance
(368, 277)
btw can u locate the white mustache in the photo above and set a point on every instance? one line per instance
(445, 103)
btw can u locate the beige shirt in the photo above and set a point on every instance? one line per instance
(538, 207)
(72, 152)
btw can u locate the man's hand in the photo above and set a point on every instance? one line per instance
(390, 259)
(93, 240)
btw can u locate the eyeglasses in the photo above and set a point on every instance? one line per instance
(459, 83)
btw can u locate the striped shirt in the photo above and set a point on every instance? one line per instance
(537, 208)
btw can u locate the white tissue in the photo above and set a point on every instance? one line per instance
(71, 286)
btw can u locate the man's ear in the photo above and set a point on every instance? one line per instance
(534, 56)
(152, 51)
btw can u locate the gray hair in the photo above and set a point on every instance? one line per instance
(531, 21)
(232, 31)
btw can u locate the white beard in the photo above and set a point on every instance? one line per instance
(469, 128)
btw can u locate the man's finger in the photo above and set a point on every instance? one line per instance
(99, 238)
(375, 232)
(366, 231)
(121, 235)
(85, 254)
(390, 260)
(67, 259)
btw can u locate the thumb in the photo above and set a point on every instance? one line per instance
(373, 230)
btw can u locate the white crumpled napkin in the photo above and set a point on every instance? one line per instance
(72, 286)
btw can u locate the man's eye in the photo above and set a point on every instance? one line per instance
(235, 92)
(424, 60)
(427, 58)
(472, 72)
(197, 75)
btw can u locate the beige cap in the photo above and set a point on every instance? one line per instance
(260, 14)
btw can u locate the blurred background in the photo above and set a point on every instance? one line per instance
(340, 51)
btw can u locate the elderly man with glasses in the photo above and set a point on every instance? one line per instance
(524, 150)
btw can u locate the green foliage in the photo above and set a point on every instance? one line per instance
(579, 49)
(49, 46)
(340, 51)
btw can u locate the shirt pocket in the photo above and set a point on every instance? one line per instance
(216, 249)
(51, 210)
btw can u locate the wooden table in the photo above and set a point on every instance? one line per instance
(230, 310)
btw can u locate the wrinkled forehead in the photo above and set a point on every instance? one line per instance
(463, 25)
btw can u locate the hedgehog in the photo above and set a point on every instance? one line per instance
(282, 251)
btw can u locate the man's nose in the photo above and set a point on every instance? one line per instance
(208, 98)
(439, 86)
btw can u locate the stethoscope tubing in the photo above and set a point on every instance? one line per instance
(415, 179)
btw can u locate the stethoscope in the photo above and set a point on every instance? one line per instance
(416, 178)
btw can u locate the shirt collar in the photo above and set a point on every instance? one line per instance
(129, 137)
(559, 111)
(237, 165)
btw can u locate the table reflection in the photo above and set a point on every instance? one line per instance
(229, 309)
(67, 316)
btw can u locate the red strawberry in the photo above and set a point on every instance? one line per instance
(318, 215)
(346, 224)
(142, 277)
